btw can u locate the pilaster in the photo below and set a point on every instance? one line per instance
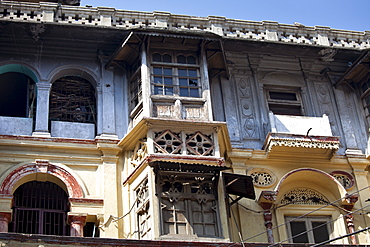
(4, 221)
(110, 187)
(77, 222)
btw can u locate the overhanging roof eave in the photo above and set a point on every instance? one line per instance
(359, 60)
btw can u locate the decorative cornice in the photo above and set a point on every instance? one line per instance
(265, 31)
(303, 144)
(301, 141)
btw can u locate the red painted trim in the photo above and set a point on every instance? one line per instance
(74, 189)
(87, 200)
(57, 139)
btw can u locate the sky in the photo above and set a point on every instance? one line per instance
(338, 14)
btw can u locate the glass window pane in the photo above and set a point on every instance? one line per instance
(183, 82)
(297, 228)
(184, 92)
(167, 71)
(169, 90)
(168, 80)
(157, 71)
(158, 80)
(181, 59)
(182, 72)
(191, 60)
(158, 90)
(167, 58)
(194, 92)
(192, 73)
(157, 57)
(320, 234)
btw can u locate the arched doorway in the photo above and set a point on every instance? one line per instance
(40, 208)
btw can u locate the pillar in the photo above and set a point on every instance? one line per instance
(42, 110)
(77, 223)
(266, 201)
(348, 205)
(4, 221)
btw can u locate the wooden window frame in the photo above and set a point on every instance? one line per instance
(175, 89)
(308, 224)
(194, 203)
(287, 105)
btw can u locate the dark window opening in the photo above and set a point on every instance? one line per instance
(285, 102)
(309, 229)
(17, 95)
(40, 208)
(72, 99)
(286, 109)
(91, 230)
(283, 96)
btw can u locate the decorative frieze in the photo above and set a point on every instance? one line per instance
(238, 29)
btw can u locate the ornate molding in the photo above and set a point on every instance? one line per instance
(262, 177)
(303, 144)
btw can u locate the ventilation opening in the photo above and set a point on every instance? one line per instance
(17, 95)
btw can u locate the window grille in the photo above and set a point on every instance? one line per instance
(188, 204)
(143, 216)
(40, 208)
(365, 96)
(135, 86)
(72, 99)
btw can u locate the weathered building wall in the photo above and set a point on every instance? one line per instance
(141, 166)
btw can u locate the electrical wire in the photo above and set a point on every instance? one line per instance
(115, 218)
(323, 224)
(340, 237)
(301, 216)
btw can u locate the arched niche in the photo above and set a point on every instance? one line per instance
(41, 171)
(311, 178)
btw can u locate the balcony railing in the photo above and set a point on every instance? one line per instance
(291, 136)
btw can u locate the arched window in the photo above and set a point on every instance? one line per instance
(40, 208)
(72, 99)
(17, 95)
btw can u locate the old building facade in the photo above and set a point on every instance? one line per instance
(154, 126)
